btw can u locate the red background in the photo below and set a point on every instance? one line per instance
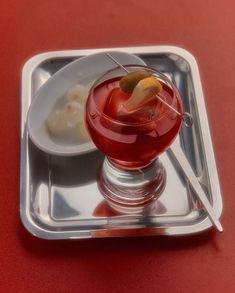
(201, 263)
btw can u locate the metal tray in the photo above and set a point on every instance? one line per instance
(59, 198)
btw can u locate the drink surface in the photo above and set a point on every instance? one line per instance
(131, 139)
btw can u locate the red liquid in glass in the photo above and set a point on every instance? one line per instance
(135, 139)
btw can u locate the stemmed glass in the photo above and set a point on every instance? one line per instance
(132, 175)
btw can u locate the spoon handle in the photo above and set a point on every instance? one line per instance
(176, 152)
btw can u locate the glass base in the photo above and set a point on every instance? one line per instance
(130, 191)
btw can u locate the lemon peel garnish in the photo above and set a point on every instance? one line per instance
(145, 90)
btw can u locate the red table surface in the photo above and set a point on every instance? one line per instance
(200, 263)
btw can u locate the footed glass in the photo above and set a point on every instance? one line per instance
(132, 175)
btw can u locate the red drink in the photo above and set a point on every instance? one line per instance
(135, 139)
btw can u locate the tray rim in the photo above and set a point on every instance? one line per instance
(26, 81)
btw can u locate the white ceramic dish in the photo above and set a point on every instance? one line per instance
(84, 71)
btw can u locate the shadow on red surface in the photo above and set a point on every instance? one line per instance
(77, 248)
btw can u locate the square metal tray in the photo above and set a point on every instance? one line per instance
(59, 198)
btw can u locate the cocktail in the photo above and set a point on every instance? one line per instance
(132, 118)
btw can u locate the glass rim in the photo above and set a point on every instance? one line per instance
(150, 69)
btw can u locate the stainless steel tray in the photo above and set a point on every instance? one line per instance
(59, 198)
